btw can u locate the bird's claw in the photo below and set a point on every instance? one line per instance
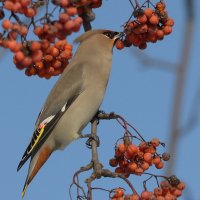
(91, 138)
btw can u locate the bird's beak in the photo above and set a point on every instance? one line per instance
(119, 35)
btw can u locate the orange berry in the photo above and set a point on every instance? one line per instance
(145, 195)
(33, 71)
(72, 11)
(6, 24)
(123, 163)
(57, 72)
(158, 191)
(177, 193)
(142, 19)
(68, 47)
(139, 171)
(143, 28)
(69, 25)
(41, 73)
(8, 5)
(27, 61)
(56, 64)
(59, 44)
(119, 170)
(78, 21)
(65, 55)
(160, 6)
(119, 192)
(35, 46)
(19, 66)
(48, 58)
(160, 165)
(23, 30)
(160, 34)
(127, 155)
(38, 30)
(167, 30)
(49, 70)
(132, 167)
(54, 51)
(156, 160)
(151, 38)
(37, 56)
(19, 56)
(145, 166)
(45, 44)
(143, 46)
(148, 12)
(132, 149)
(47, 76)
(39, 65)
(148, 157)
(16, 7)
(63, 17)
(181, 186)
(64, 3)
(169, 22)
(113, 162)
(31, 12)
(11, 44)
(25, 3)
(28, 72)
(154, 19)
(121, 148)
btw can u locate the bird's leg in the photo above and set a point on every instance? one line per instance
(96, 116)
(90, 138)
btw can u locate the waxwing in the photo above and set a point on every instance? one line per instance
(73, 101)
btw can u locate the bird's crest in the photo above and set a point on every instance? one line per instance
(88, 34)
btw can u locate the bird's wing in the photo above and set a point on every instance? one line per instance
(59, 100)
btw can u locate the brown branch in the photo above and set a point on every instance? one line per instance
(150, 62)
(98, 170)
(179, 88)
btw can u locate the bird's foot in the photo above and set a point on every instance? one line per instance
(92, 138)
(96, 116)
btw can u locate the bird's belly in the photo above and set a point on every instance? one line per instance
(76, 117)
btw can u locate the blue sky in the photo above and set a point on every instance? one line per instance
(143, 95)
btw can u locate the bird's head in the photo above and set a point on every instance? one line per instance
(103, 38)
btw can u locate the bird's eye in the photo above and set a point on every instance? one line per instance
(110, 34)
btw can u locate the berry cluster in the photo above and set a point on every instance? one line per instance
(149, 25)
(133, 159)
(169, 189)
(166, 191)
(49, 31)
(42, 58)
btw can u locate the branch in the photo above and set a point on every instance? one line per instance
(148, 61)
(180, 86)
(87, 17)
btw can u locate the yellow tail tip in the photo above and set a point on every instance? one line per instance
(24, 190)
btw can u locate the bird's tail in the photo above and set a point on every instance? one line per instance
(35, 164)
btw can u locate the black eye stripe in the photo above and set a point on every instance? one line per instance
(110, 34)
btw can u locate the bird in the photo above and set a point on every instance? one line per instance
(73, 101)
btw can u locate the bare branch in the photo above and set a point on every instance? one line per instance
(147, 61)
(179, 88)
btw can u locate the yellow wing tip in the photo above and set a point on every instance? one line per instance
(24, 190)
